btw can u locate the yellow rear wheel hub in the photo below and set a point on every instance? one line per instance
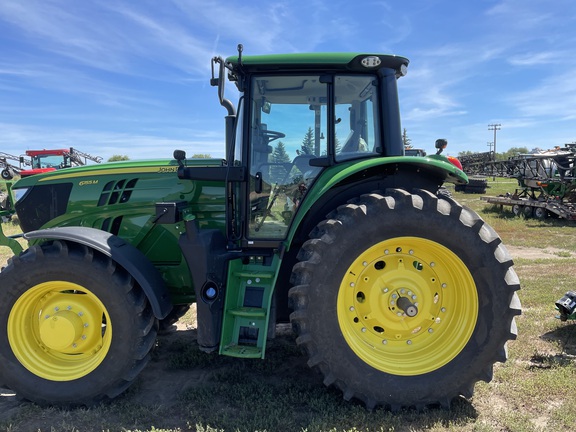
(407, 306)
(59, 330)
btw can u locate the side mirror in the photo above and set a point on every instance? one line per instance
(440, 145)
(266, 107)
(180, 155)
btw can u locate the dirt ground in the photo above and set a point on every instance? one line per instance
(538, 253)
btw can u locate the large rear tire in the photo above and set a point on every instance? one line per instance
(75, 328)
(404, 299)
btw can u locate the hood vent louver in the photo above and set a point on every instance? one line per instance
(117, 192)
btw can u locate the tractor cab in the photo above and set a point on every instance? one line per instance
(299, 117)
(301, 121)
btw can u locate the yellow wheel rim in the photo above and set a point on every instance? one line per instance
(59, 331)
(407, 306)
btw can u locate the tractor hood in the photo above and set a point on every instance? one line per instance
(105, 196)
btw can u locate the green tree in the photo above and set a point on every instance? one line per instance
(308, 142)
(466, 153)
(513, 151)
(280, 155)
(278, 158)
(337, 145)
(407, 141)
(115, 158)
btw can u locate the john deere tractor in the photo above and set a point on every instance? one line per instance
(398, 295)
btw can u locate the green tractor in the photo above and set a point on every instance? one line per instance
(399, 296)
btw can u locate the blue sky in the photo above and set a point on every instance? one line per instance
(132, 77)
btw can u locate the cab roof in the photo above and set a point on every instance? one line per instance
(358, 62)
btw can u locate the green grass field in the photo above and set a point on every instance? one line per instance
(186, 390)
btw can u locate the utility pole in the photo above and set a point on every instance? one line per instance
(493, 157)
(494, 127)
(490, 144)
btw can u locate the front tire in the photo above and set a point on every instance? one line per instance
(457, 286)
(75, 328)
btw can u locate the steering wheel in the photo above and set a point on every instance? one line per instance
(271, 135)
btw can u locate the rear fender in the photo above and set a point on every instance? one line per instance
(125, 254)
(398, 171)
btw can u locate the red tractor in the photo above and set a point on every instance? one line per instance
(50, 160)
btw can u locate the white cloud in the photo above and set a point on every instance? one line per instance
(15, 139)
(537, 58)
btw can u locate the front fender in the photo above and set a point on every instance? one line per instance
(125, 254)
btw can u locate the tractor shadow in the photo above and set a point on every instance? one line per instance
(182, 386)
(565, 337)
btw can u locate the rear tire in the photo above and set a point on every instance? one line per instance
(75, 328)
(459, 299)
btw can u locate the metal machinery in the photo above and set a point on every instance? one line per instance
(9, 169)
(399, 295)
(547, 184)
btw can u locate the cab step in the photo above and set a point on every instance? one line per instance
(247, 304)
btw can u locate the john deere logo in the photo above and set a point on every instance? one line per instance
(371, 61)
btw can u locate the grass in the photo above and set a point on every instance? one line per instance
(184, 389)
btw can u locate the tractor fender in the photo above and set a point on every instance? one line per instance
(415, 170)
(122, 252)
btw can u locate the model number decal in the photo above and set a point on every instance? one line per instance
(87, 182)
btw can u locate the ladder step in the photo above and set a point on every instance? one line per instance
(254, 274)
(248, 312)
(242, 351)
